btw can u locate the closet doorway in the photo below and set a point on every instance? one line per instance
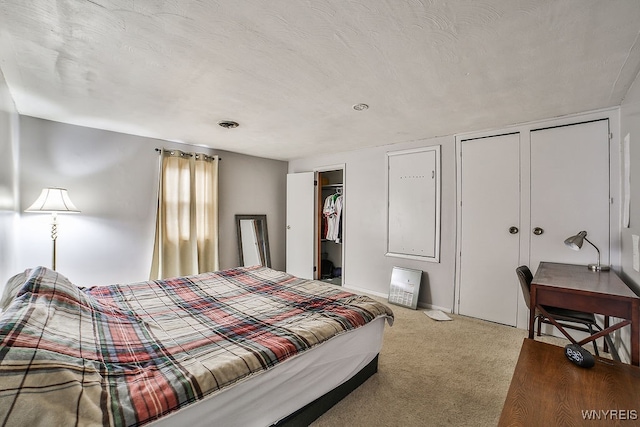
(330, 225)
(315, 232)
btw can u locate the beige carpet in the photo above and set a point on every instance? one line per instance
(430, 373)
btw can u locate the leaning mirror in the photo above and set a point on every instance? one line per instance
(253, 240)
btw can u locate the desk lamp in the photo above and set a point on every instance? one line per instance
(54, 201)
(575, 243)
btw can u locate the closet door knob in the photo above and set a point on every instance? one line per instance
(288, 227)
(538, 231)
(513, 230)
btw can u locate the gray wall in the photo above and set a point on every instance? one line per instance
(252, 185)
(112, 179)
(8, 180)
(630, 124)
(366, 266)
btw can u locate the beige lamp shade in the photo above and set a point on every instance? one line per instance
(53, 200)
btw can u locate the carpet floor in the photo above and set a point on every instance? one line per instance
(435, 373)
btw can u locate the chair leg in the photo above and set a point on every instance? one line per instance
(612, 348)
(605, 346)
(539, 325)
(595, 345)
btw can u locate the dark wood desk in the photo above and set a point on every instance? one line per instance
(576, 287)
(548, 390)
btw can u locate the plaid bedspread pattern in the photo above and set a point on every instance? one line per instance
(128, 354)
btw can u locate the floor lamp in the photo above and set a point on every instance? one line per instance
(54, 201)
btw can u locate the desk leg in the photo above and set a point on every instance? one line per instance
(635, 333)
(532, 310)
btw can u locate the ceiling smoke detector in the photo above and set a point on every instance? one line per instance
(228, 124)
(360, 107)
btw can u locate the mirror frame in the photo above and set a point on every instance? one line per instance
(264, 238)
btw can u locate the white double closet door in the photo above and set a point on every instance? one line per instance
(522, 194)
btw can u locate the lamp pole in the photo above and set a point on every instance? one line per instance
(54, 236)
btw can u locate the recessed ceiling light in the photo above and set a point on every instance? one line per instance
(228, 124)
(360, 107)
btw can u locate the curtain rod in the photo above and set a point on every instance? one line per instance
(159, 150)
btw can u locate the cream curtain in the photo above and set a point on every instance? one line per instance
(187, 221)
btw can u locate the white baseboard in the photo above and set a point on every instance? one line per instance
(435, 307)
(365, 291)
(386, 296)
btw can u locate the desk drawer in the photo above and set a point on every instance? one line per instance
(591, 302)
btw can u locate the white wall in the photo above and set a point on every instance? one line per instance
(8, 180)
(112, 179)
(366, 266)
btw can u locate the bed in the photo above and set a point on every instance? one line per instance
(249, 346)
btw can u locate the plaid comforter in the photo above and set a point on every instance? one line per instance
(128, 354)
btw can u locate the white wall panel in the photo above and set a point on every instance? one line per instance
(414, 203)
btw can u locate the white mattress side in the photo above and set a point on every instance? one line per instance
(263, 399)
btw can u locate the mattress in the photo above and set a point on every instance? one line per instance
(267, 398)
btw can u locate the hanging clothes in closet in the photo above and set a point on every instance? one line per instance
(332, 214)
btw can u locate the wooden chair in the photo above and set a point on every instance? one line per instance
(577, 320)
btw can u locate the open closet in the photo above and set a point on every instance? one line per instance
(330, 226)
(316, 226)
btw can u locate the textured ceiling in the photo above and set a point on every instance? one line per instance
(290, 71)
